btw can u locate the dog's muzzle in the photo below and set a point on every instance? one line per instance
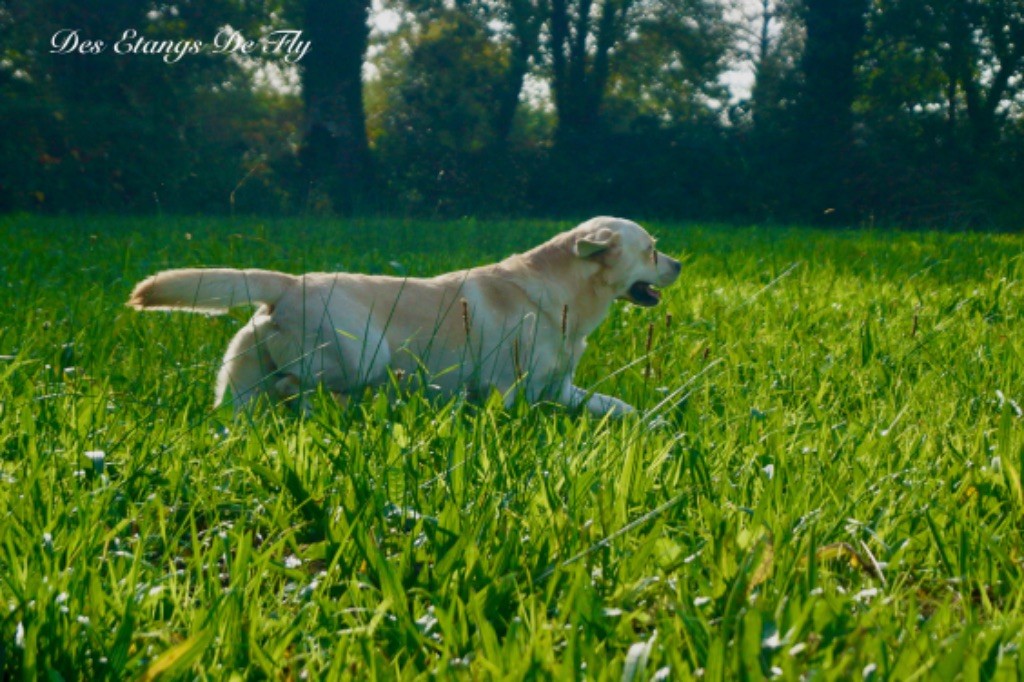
(648, 294)
(644, 294)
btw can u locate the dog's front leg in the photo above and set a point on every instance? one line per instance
(598, 404)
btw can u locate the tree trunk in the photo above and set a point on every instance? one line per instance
(526, 22)
(982, 108)
(984, 86)
(508, 102)
(579, 76)
(835, 31)
(335, 153)
(560, 82)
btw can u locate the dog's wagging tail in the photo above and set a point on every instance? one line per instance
(212, 290)
(516, 326)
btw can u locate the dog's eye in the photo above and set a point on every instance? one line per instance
(654, 255)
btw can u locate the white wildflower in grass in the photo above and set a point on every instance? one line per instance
(866, 595)
(772, 641)
(98, 459)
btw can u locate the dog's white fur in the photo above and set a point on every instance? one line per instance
(517, 325)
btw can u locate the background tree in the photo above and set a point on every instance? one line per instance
(581, 36)
(435, 111)
(669, 67)
(989, 63)
(771, 41)
(890, 110)
(940, 82)
(335, 151)
(637, 94)
(834, 35)
(130, 130)
(511, 27)
(445, 105)
(519, 25)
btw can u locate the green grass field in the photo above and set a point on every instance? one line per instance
(826, 480)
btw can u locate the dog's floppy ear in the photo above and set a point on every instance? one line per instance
(593, 244)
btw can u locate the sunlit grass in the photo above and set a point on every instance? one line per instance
(826, 478)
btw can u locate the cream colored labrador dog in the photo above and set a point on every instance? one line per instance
(517, 325)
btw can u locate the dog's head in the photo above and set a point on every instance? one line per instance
(631, 266)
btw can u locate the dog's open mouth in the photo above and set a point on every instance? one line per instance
(644, 293)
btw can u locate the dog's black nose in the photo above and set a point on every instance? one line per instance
(676, 265)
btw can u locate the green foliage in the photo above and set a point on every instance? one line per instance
(889, 112)
(448, 86)
(669, 69)
(434, 111)
(826, 481)
(937, 84)
(116, 130)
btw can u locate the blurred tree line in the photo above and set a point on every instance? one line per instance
(859, 112)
